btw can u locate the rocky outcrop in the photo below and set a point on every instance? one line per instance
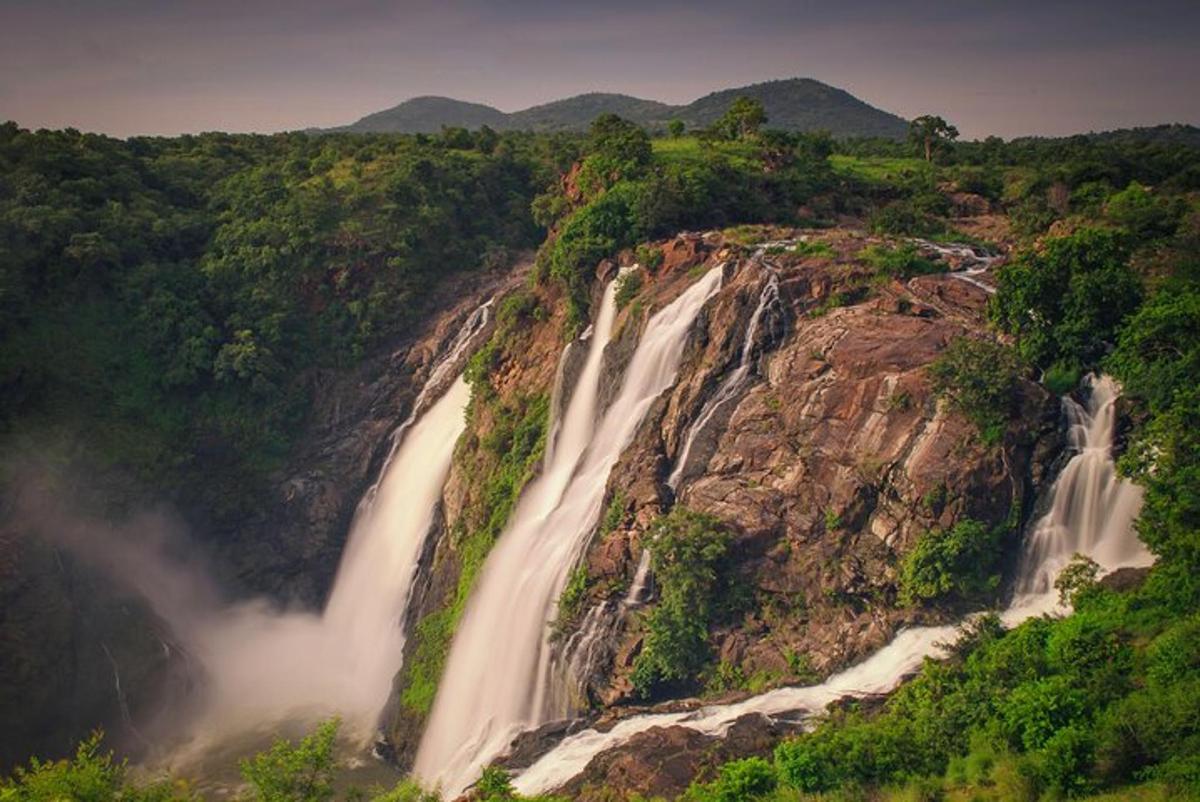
(662, 761)
(828, 466)
(77, 653)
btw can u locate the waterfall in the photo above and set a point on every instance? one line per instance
(498, 678)
(1091, 511)
(970, 262)
(265, 666)
(587, 645)
(731, 387)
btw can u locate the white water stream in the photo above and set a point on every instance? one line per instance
(733, 384)
(498, 679)
(1091, 512)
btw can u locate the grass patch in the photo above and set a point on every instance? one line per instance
(880, 169)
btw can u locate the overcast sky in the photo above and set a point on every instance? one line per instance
(1002, 67)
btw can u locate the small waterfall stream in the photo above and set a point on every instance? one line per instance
(1091, 512)
(735, 382)
(498, 679)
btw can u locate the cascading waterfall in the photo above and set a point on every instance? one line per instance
(1092, 509)
(586, 645)
(971, 262)
(498, 679)
(1091, 512)
(265, 666)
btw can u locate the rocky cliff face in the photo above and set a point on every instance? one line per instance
(827, 467)
(827, 462)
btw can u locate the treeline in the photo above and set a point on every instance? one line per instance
(1035, 181)
(166, 298)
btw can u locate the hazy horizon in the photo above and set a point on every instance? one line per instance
(142, 67)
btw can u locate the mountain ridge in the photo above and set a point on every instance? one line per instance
(797, 104)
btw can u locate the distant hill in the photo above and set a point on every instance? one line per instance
(428, 114)
(576, 113)
(802, 104)
(796, 104)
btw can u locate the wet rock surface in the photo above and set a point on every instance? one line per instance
(663, 761)
(828, 466)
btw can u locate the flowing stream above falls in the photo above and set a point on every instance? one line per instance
(1091, 511)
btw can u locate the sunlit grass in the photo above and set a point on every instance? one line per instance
(879, 169)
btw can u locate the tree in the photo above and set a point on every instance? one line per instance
(619, 140)
(688, 549)
(675, 128)
(930, 132)
(743, 119)
(300, 773)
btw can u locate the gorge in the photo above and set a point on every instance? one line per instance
(777, 470)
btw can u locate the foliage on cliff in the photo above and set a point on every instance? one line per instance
(626, 192)
(167, 299)
(688, 551)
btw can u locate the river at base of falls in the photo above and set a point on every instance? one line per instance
(1091, 511)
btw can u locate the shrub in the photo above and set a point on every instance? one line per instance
(960, 561)
(901, 263)
(89, 776)
(979, 378)
(743, 780)
(495, 785)
(1141, 213)
(628, 286)
(904, 218)
(300, 773)
(649, 257)
(1062, 377)
(687, 549)
(1067, 300)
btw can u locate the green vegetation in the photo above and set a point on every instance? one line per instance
(1054, 707)
(1066, 301)
(300, 773)
(628, 286)
(166, 301)
(632, 191)
(979, 379)
(89, 776)
(688, 549)
(901, 262)
(743, 120)
(286, 772)
(962, 562)
(931, 133)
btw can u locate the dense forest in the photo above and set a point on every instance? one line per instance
(163, 303)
